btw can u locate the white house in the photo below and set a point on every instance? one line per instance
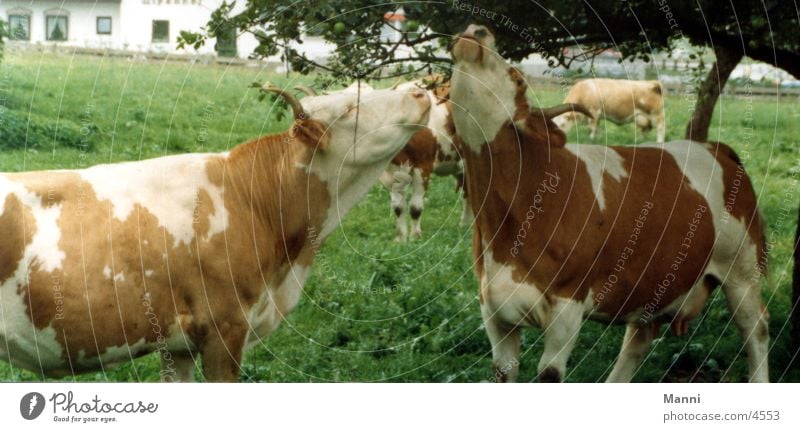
(144, 26)
(131, 25)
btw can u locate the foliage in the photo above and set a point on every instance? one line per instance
(638, 28)
(30, 131)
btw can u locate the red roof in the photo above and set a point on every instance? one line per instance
(393, 16)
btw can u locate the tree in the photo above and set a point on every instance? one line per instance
(763, 30)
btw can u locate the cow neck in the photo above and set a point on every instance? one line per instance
(500, 176)
(274, 192)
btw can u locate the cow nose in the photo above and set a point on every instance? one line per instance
(475, 31)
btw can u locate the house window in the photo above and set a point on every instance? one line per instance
(57, 28)
(160, 31)
(104, 25)
(19, 27)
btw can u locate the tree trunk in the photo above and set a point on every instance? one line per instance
(709, 92)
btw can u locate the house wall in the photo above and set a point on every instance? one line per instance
(131, 27)
(81, 17)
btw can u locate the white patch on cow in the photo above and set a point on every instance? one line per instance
(438, 125)
(107, 272)
(511, 301)
(482, 100)
(275, 302)
(167, 187)
(702, 170)
(437, 121)
(599, 161)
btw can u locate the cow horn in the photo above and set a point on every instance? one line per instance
(563, 108)
(306, 89)
(397, 84)
(297, 109)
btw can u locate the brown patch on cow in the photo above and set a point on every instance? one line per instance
(420, 152)
(310, 133)
(17, 227)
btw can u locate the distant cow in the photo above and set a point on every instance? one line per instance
(620, 101)
(633, 235)
(190, 254)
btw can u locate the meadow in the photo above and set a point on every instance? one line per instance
(373, 309)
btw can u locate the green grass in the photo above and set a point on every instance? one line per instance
(375, 310)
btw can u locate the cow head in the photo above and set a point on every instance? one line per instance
(488, 93)
(484, 88)
(368, 128)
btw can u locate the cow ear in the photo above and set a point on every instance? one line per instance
(311, 133)
(539, 129)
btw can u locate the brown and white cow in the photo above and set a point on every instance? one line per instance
(619, 101)
(190, 254)
(430, 151)
(633, 235)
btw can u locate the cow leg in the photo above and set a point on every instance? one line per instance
(178, 367)
(419, 185)
(222, 352)
(593, 124)
(661, 127)
(505, 346)
(401, 180)
(635, 345)
(752, 319)
(466, 214)
(560, 335)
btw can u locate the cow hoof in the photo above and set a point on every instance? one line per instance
(550, 375)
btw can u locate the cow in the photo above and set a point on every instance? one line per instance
(185, 255)
(617, 100)
(430, 151)
(632, 235)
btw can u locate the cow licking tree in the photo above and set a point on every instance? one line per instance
(190, 254)
(429, 151)
(632, 235)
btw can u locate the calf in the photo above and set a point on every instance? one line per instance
(190, 254)
(620, 101)
(633, 235)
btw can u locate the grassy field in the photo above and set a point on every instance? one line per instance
(375, 310)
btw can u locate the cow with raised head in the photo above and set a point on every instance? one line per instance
(632, 235)
(619, 101)
(194, 254)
